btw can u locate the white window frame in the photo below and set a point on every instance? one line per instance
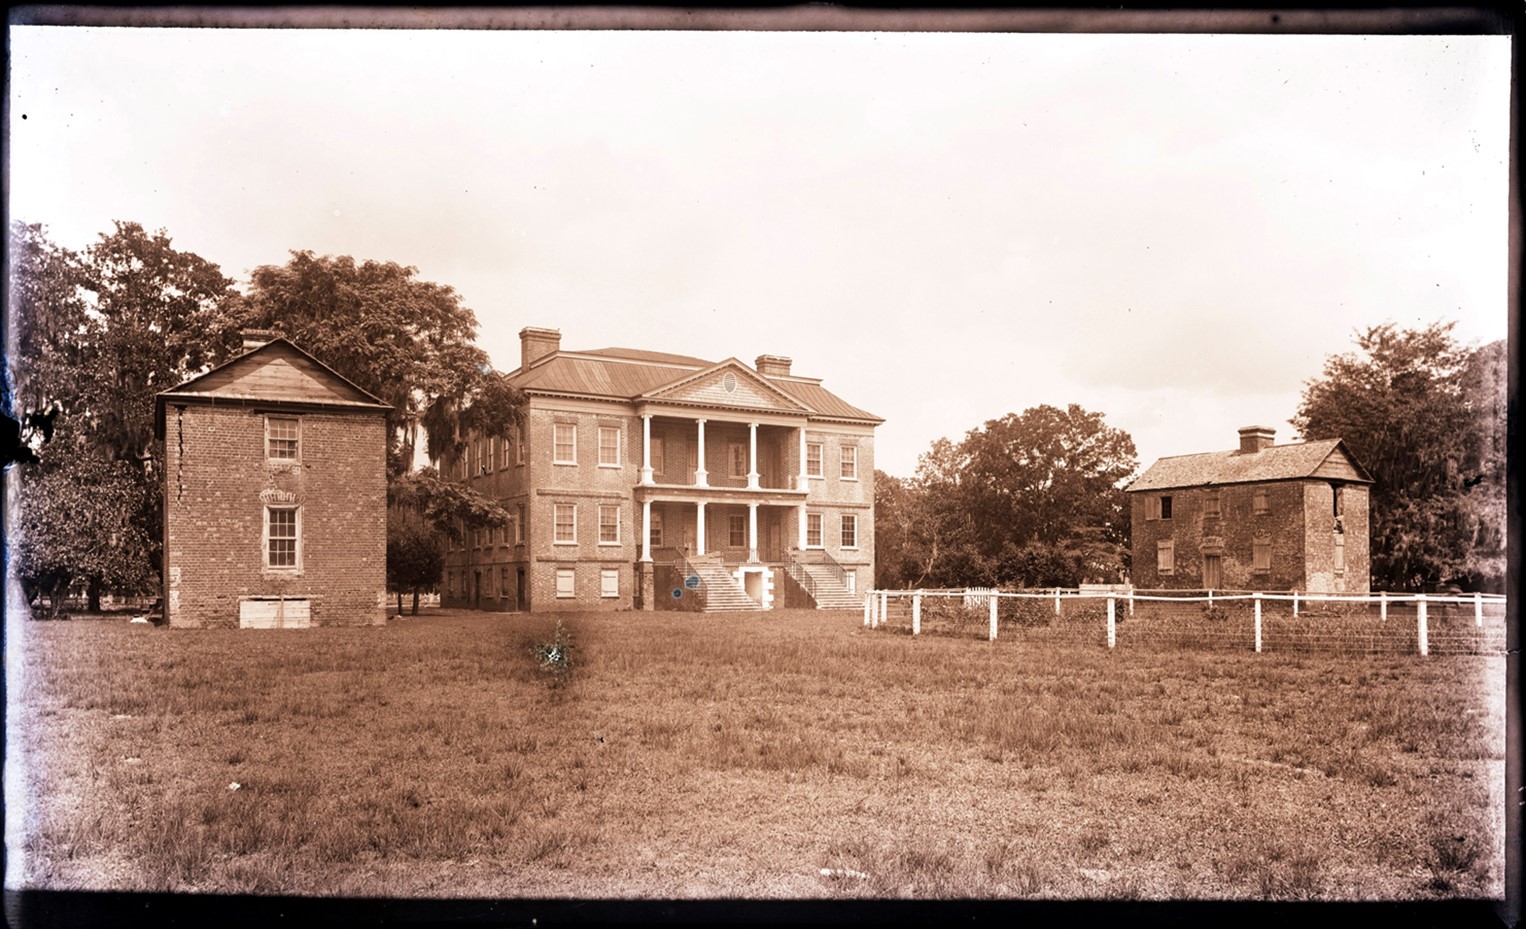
(603, 431)
(605, 508)
(296, 456)
(557, 443)
(848, 520)
(609, 583)
(556, 524)
(848, 463)
(519, 445)
(265, 539)
(733, 461)
(654, 530)
(820, 530)
(519, 524)
(731, 530)
(570, 590)
(1165, 556)
(655, 454)
(813, 464)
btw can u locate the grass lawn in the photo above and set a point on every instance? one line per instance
(744, 755)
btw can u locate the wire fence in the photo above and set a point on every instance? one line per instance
(1293, 621)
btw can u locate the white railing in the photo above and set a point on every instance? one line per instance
(1320, 627)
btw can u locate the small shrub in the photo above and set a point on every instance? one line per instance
(555, 657)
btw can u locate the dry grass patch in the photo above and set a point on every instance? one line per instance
(687, 756)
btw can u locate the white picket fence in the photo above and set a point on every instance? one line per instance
(1123, 602)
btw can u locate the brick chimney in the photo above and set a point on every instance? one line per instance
(254, 338)
(535, 344)
(772, 365)
(1254, 438)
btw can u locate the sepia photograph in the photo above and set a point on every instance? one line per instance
(554, 465)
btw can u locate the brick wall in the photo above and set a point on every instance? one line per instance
(1236, 528)
(216, 470)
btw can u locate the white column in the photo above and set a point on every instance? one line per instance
(802, 482)
(1257, 598)
(646, 448)
(916, 613)
(884, 608)
(1383, 606)
(1295, 603)
(646, 530)
(699, 528)
(701, 476)
(1478, 609)
(1112, 623)
(800, 520)
(992, 600)
(1422, 631)
(868, 607)
(752, 457)
(752, 532)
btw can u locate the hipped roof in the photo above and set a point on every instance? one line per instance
(630, 374)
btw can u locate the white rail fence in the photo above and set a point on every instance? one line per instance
(1381, 623)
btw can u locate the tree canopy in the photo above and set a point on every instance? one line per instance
(98, 334)
(1426, 416)
(1030, 499)
(408, 341)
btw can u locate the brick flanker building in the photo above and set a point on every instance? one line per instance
(657, 481)
(275, 497)
(1261, 517)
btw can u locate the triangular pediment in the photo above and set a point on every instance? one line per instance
(277, 371)
(729, 384)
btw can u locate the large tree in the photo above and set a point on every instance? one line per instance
(98, 334)
(1030, 499)
(1418, 410)
(408, 341)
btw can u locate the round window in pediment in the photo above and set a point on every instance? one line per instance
(729, 383)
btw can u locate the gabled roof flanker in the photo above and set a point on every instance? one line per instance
(278, 371)
(634, 374)
(1295, 461)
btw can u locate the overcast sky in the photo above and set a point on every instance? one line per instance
(1172, 230)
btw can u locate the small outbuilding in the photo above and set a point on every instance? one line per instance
(275, 497)
(1260, 517)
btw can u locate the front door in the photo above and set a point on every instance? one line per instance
(1213, 572)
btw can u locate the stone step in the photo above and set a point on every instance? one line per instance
(831, 594)
(721, 591)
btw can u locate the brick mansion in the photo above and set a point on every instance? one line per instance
(659, 481)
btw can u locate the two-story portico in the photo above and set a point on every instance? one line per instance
(748, 486)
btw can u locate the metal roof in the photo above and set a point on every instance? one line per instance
(627, 373)
(1293, 461)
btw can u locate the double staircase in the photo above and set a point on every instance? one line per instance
(719, 588)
